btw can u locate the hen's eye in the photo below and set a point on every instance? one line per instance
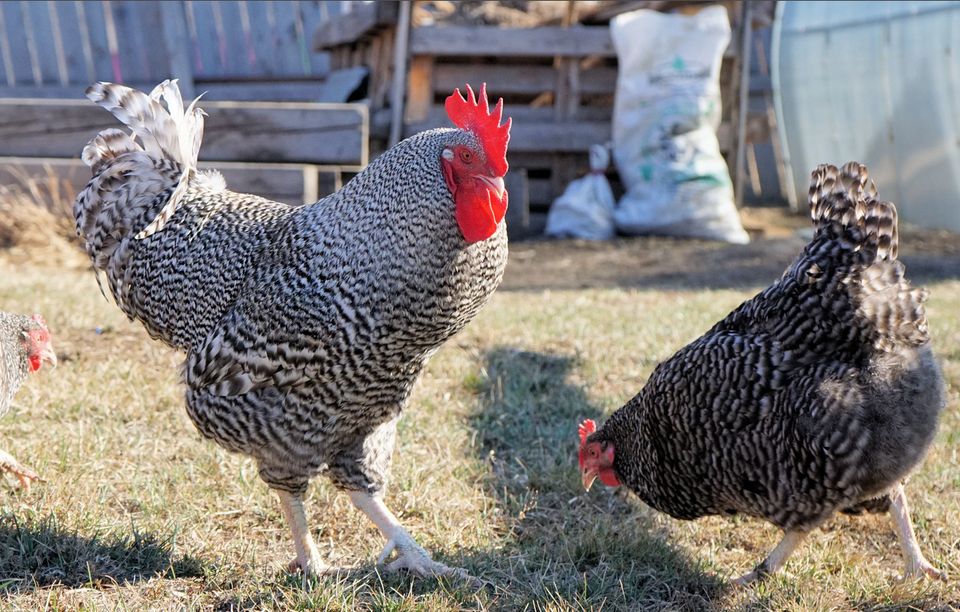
(466, 156)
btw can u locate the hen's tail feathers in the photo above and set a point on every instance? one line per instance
(847, 213)
(165, 132)
(844, 207)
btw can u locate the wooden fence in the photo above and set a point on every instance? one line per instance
(268, 125)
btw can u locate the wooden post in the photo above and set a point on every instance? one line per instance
(400, 50)
(419, 89)
(746, 29)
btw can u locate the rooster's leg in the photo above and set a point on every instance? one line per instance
(775, 560)
(410, 555)
(308, 557)
(916, 564)
(25, 475)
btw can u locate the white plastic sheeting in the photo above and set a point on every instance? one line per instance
(876, 82)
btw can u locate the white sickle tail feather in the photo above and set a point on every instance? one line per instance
(171, 133)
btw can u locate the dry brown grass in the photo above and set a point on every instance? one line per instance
(36, 220)
(140, 512)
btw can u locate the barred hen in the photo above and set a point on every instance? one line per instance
(24, 346)
(820, 394)
(305, 328)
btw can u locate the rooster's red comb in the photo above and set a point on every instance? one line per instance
(468, 114)
(586, 428)
(39, 320)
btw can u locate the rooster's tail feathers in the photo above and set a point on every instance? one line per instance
(844, 207)
(169, 132)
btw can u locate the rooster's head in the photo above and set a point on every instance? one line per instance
(474, 173)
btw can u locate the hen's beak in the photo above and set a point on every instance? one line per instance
(588, 477)
(493, 183)
(48, 355)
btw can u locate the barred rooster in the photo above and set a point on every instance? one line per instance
(820, 394)
(24, 347)
(305, 328)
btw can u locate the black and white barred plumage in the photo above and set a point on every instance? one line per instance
(13, 356)
(818, 395)
(305, 327)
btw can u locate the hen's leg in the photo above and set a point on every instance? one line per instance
(410, 555)
(308, 557)
(916, 564)
(25, 475)
(775, 559)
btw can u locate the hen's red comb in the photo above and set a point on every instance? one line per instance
(586, 428)
(468, 114)
(39, 320)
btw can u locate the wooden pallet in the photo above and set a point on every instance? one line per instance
(557, 82)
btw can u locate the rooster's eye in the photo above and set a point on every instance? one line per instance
(466, 156)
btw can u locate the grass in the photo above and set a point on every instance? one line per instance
(140, 512)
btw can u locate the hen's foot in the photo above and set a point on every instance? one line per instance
(25, 475)
(924, 569)
(774, 560)
(414, 559)
(915, 564)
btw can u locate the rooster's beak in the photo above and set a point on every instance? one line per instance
(588, 477)
(493, 183)
(48, 355)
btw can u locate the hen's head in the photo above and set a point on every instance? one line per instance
(474, 169)
(596, 457)
(37, 342)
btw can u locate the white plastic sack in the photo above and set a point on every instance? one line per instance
(665, 119)
(585, 210)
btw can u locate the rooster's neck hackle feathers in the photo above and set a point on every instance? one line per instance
(468, 114)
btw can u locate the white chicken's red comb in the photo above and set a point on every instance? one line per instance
(39, 319)
(469, 114)
(586, 428)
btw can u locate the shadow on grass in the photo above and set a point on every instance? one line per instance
(40, 552)
(564, 544)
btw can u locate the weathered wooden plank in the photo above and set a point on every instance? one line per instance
(419, 89)
(315, 13)
(288, 58)
(248, 131)
(173, 22)
(17, 39)
(133, 46)
(360, 21)
(96, 29)
(460, 41)
(518, 79)
(63, 15)
(235, 44)
(260, 16)
(437, 116)
(518, 210)
(268, 91)
(200, 23)
(281, 182)
(40, 33)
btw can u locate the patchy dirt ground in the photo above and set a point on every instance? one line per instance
(651, 262)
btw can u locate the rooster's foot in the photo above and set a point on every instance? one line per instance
(414, 559)
(925, 569)
(311, 567)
